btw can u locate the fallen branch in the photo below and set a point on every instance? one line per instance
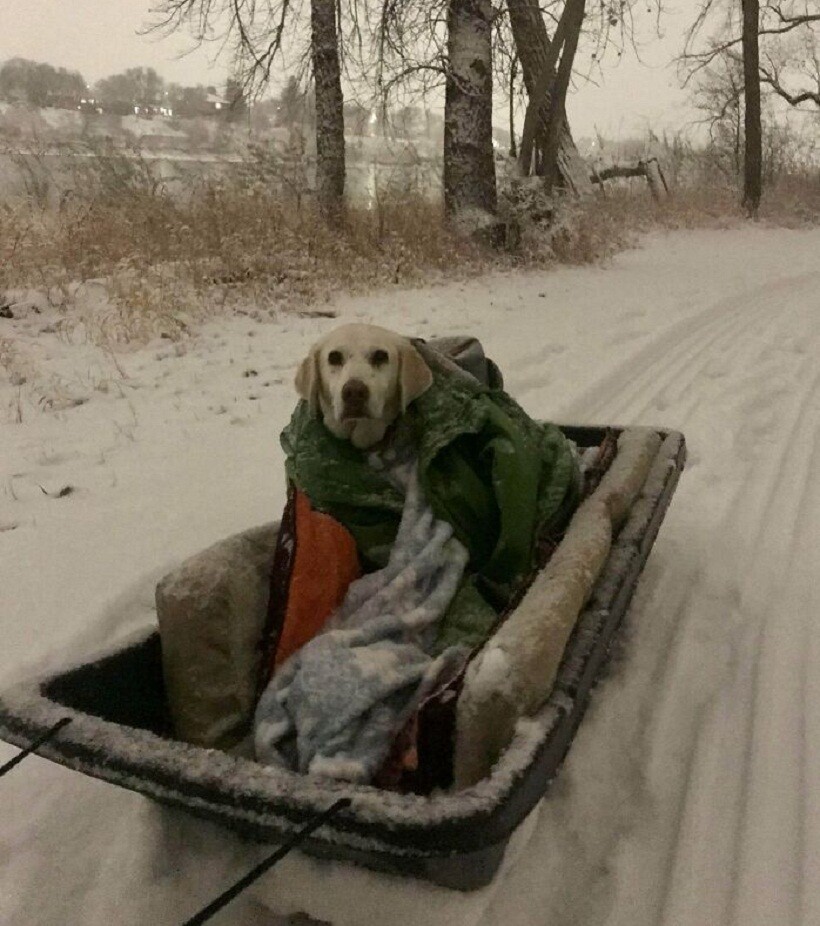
(649, 168)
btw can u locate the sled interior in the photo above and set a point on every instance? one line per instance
(128, 688)
(121, 732)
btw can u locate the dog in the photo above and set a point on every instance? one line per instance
(360, 378)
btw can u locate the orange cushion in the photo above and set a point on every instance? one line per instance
(325, 563)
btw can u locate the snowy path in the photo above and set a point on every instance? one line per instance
(728, 740)
(689, 796)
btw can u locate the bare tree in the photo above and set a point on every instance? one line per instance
(513, 74)
(719, 97)
(757, 31)
(546, 112)
(547, 63)
(753, 143)
(469, 164)
(258, 33)
(330, 129)
(537, 56)
(789, 45)
(420, 45)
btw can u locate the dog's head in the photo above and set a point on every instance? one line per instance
(361, 378)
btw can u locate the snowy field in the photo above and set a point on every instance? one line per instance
(690, 796)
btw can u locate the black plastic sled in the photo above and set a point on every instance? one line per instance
(120, 732)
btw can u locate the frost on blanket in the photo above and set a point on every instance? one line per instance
(335, 706)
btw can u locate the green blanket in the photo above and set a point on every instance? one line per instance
(501, 479)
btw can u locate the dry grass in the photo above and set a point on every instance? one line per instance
(793, 202)
(164, 262)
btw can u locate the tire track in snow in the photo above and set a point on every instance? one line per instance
(776, 480)
(530, 371)
(680, 342)
(769, 868)
(774, 500)
(743, 350)
(684, 374)
(697, 350)
(666, 711)
(810, 811)
(724, 758)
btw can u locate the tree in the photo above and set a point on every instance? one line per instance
(606, 25)
(469, 164)
(292, 103)
(357, 118)
(258, 32)
(757, 33)
(790, 67)
(788, 41)
(187, 101)
(406, 121)
(536, 55)
(236, 100)
(330, 125)
(719, 97)
(133, 87)
(753, 144)
(546, 113)
(39, 84)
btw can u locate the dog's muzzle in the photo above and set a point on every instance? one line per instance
(355, 396)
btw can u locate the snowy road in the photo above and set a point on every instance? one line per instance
(690, 796)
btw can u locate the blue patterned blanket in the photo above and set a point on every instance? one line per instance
(334, 708)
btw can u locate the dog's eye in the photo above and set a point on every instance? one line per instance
(379, 358)
(335, 358)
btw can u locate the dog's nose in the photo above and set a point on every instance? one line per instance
(355, 392)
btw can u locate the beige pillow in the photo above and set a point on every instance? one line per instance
(212, 612)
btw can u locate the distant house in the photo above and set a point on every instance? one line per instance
(149, 110)
(214, 103)
(88, 105)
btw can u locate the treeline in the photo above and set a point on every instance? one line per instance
(136, 90)
(144, 91)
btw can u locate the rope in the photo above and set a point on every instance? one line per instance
(44, 738)
(227, 896)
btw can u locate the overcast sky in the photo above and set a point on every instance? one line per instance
(102, 37)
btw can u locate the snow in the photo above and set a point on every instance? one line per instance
(687, 797)
(493, 669)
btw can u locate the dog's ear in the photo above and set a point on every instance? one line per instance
(307, 380)
(414, 375)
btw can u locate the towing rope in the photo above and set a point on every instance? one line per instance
(44, 738)
(227, 896)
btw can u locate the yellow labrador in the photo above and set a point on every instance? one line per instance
(361, 378)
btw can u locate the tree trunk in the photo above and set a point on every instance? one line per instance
(469, 164)
(513, 75)
(575, 10)
(753, 160)
(532, 45)
(330, 130)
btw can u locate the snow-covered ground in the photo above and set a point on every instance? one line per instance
(690, 795)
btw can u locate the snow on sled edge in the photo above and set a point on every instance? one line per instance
(119, 733)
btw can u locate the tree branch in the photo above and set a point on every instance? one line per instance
(793, 99)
